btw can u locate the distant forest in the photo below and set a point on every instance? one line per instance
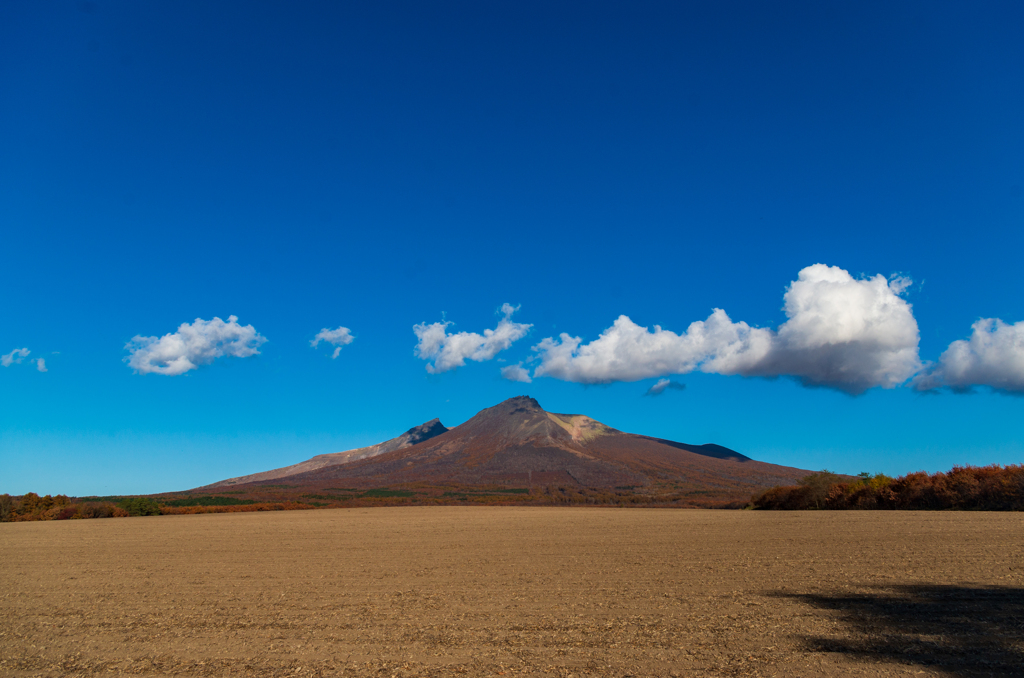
(985, 488)
(31, 506)
(978, 488)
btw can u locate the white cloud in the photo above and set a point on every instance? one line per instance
(339, 337)
(18, 355)
(628, 352)
(841, 333)
(195, 344)
(448, 351)
(844, 333)
(662, 385)
(15, 356)
(516, 373)
(993, 356)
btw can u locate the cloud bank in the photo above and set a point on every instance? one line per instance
(840, 332)
(446, 351)
(14, 357)
(993, 356)
(662, 385)
(339, 337)
(199, 343)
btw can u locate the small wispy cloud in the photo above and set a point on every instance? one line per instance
(516, 373)
(14, 357)
(664, 384)
(445, 351)
(41, 365)
(339, 337)
(194, 344)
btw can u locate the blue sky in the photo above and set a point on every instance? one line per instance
(378, 166)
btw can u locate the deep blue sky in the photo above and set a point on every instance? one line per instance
(376, 165)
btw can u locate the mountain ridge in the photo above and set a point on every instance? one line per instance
(414, 435)
(518, 443)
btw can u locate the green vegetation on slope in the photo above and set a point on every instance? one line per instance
(208, 500)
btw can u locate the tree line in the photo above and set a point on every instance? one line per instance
(31, 506)
(981, 488)
(986, 488)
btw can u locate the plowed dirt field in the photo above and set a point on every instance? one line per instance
(515, 591)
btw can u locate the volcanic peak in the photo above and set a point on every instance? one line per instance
(522, 421)
(516, 443)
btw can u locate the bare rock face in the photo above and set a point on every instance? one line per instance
(415, 435)
(518, 443)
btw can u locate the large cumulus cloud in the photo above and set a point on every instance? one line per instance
(841, 332)
(446, 351)
(628, 352)
(993, 356)
(195, 344)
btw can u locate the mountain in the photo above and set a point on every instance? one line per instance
(517, 443)
(417, 434)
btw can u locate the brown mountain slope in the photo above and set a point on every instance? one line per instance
(517, 443)
(417, 434)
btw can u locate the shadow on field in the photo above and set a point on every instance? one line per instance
(960, 630)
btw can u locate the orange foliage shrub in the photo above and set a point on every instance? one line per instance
(985, 488)
(33, 507)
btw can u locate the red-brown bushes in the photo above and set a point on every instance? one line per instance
(988, 488)
(31, 506)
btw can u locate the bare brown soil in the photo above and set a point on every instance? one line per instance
(515, 591)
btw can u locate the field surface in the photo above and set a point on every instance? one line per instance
(515, 591)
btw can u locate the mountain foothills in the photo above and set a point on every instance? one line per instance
(517, 444)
